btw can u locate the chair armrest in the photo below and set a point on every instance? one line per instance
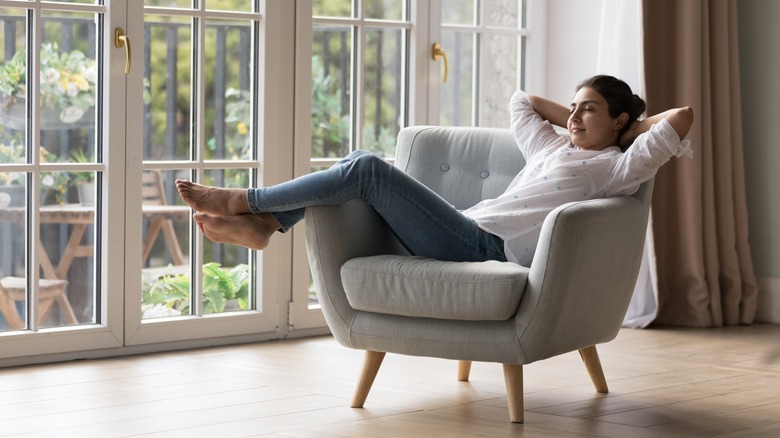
(582, 276)
(335, 234)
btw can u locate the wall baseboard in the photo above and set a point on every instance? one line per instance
(768, 299)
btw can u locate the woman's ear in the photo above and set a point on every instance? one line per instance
(621, 121)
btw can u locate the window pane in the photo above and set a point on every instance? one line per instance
(331, 91)
(12, 148)
(501, 13)
(13, 85)
(168, 82)
(499, 79)
(457, 94)
(383, 85)
(226, 279)
(227, 120)
(332, 8)
(170, 3)
(68, 243)
(384, 9)
(13, 255)
(165, 254)
(68, 87)
(229, 5)
(458, 12)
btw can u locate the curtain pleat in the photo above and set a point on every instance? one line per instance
(705, 274)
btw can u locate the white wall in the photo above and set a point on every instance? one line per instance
(759, 42)
(572, 45)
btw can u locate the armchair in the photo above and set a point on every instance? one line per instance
(378, 298)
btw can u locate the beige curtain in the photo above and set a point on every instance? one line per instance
(705, 273)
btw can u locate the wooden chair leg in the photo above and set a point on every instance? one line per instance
(65, 308)
(152, 230)
(44, 308)
(371, 363)
(513, 376)
(464, 369)
(591, 358)
(8, 310)
(169, 233)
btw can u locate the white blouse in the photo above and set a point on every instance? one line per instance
(557, 172)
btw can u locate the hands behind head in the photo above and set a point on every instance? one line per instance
(630, 135)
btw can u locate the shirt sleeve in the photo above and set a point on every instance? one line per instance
(641, 161)
(532, 133)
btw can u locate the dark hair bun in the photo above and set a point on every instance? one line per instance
(639, 107)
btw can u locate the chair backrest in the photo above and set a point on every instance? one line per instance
(463, 165)
(152, 191)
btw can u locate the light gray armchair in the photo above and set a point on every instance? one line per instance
(376, 297)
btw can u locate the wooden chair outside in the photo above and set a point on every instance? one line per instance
(13, 289)
(154, 194)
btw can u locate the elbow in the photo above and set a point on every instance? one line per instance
(682, 120)
(687, 114)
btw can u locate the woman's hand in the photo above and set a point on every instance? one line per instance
(681, 120)
(631, 134)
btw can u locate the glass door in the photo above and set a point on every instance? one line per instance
(201, 90)
(352, 92)
(58, 206)
(480, 51)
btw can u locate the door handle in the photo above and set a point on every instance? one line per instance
(438, 52)
(122, 40)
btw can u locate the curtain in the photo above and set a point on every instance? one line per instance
(705, 273)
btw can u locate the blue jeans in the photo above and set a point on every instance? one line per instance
(425, 223)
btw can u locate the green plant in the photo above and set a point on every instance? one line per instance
(168, 295)
(79, 156)
(67, 85)
(12, 153)
(238, 115)
(54, 183)
(330, 128)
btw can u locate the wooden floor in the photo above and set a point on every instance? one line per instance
(663, 382)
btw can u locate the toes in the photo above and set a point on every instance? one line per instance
(200, 218)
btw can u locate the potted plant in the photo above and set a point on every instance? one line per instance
(67, 89)
(224, 289)
(12, 183)
(84, 181)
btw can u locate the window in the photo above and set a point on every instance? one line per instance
(51, 165)
(359, 75)
(485, 43)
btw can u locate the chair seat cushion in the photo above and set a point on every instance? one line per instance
(423, 287)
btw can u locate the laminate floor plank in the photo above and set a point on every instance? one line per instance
(664, 382)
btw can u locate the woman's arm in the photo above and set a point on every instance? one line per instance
(681, 120)
(554, 113)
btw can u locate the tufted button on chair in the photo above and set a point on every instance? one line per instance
(378, 298)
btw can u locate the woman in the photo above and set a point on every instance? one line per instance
(587, 164)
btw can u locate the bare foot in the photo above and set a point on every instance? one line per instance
(215, 201)
(252, 231)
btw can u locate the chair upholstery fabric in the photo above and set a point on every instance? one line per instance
(422, 287)
(575, 295)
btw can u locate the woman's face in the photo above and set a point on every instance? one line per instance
(590, 125)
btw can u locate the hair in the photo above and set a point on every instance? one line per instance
(620, 99)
